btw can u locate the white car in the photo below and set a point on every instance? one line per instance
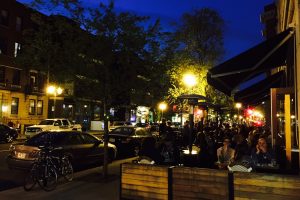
(52, 125)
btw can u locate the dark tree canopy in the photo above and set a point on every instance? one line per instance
(201, 33)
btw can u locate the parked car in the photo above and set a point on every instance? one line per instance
(117, 124)
(82, 149)
(7, 134)
(51, 125)
(128, 139)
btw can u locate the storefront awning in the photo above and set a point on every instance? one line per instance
(261, 90)
(269, 54)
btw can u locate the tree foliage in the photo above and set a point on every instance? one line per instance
(198, 44)
(112, 52)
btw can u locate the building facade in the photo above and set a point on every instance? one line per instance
(22, 91)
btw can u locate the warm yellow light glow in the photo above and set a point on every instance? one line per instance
(293, 117)
(238, 105)
(54, 90)
(189, 80)
(235, 116)
(4, 108)
(162, 106)
(51, 89)
(186, 151)
(59, 90)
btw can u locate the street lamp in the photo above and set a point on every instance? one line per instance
(190, 81)
(238, 106)
(53, 90)
(162, 106)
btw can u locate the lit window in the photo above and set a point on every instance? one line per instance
(17, 49)
(14, 105)
(31, 107)
(39, 107)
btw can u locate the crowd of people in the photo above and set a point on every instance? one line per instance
(219, 145)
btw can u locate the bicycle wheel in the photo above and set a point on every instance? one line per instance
(67, 169)
(48, 179)
(31, 179)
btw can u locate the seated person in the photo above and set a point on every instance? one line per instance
(262, 155)
(149, 150)
(225, 154)
(169, 151)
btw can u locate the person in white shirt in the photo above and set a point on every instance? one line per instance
(225, 154)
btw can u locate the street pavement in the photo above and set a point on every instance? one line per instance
(88, 184)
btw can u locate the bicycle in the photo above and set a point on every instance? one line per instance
(46, 169)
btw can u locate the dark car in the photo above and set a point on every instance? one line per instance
(7, 134)
(128, 139)
(82, 149)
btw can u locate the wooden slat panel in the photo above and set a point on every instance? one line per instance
(147, 189)
(134, 194)
(266, 186)
(197, 183)
(206, 178)
(208, 189)
(145, 178)
(256, 195)
(145, 183)
(197, 195)
(144, 167)
(268, 190)
(145, 172)
(199, 171)
(267, 180)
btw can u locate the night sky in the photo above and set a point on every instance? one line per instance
(243, 27)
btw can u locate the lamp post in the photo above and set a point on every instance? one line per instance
(162, 106)
(190, 81)
(238, 106)
(53, 90)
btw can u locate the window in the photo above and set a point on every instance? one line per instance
(17, 49)
(4, 17)
(74, 139)
(33, 78)
(18, 24)
(14, 105)
(16, 77)
(3, 46)
(65, 122)
(39, 107)
(2, 74)
(88, 139)
(31, 107)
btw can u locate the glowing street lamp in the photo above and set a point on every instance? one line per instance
(53, 90)
(238, 106)
(162, 106)
(189, 80)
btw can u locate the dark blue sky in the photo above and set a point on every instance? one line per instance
(242, 17)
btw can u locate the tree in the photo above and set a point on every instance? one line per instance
(198, 43)
(118, 56)
(201, 34)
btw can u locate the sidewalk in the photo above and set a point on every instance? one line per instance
(88, 184)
